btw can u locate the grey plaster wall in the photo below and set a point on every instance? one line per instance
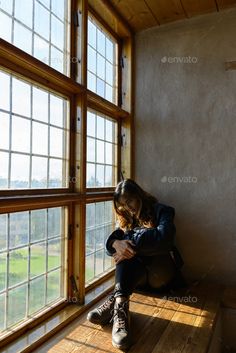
(185, 136)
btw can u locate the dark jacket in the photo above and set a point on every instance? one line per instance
(155, 246)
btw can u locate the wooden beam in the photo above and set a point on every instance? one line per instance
(195, 8)
(28, 67)
(166, 10)
(223, 4)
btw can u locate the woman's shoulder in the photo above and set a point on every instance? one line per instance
(160, 207)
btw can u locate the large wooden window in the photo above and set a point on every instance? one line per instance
(65, 136)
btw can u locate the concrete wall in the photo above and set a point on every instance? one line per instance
(185, 135)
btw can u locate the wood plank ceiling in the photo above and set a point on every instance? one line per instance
(142, 14)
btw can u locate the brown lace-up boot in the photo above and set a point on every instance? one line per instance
(121, 324)
(103, 313)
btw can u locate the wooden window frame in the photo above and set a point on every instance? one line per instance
(16, 61)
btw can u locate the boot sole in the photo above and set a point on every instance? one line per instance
(121, 347)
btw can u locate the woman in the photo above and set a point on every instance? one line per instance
(144, 253)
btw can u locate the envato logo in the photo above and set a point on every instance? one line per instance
(58, 60)
(185, 299)
(179, 179)
(72, 300)
(179, 59)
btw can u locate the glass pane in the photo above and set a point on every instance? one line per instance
(90, 149)
(54, 222)
(4, 130)
(53, 285)
(101, 88)
(108, 176)
(54, 253)
(19, 171)
(91, 60)
(91, 34)
(37, 259)
(17, 305)
(6, 5)
(91, 181)
(58, 7)
(22, 38)
(37, 293)
(56, 142)
(91, 127)
(56, 111)
(55, 173)
(20, 97)
(100, 175)
(109, 130)
(38, 225)
(41, 20)
(57, 32)
(99, 268)
(39, 172)
(41, 49)
(100, 42)
(3, 271)
(109, 153)
(20, 134)
(57, 60)
(40, 105)
(18, 266)
(3, 232)
(90, 241)
(101, 67)
(5, 91)
(109, 92)
(5, 26)
(24, 11)
(4, 158)
(109, 73)
(109, 50)
(89, 265)
(2, 311)
(91, 82)
(100, 127)
(40, 138)
(19, 229)
(100, 151)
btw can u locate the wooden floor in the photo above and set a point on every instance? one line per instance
(182, 322)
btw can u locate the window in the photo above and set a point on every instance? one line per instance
(32, 263)
(39, 27)
(100, 222)
(101, 150)
(102, 62)
(33, 136)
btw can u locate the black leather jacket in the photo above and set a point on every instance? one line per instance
(156, 246)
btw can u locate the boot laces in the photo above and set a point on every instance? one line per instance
(106, 305)
(120, 314)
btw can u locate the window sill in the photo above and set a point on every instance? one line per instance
(39, 334)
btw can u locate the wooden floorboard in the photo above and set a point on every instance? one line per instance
(181, 322)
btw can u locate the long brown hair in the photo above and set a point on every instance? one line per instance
(129, 187)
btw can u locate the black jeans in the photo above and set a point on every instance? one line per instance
(135, 273)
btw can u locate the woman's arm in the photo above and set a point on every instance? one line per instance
(153, 241)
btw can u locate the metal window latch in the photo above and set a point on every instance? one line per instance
(70, 231)
(76, 18)
(74, 288)
(122, 64)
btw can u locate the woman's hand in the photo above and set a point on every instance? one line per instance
(123, 250)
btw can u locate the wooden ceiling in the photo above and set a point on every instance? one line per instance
(142, 14)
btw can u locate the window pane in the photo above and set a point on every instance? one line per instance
(102, 62)
(39, 172)
(41, 20)
(57, 35)
(38, 255)
(19, 171)
(20, 134)
(38, 225)
(24, 11)
(5, 27)
(3, 232)
(33, 111)
(22, 38)
(40, 105)
(37, 291)
(41, 49)
(100, 151)
(37, 259)
(18, 266)
(100, 222)
(4, 131)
